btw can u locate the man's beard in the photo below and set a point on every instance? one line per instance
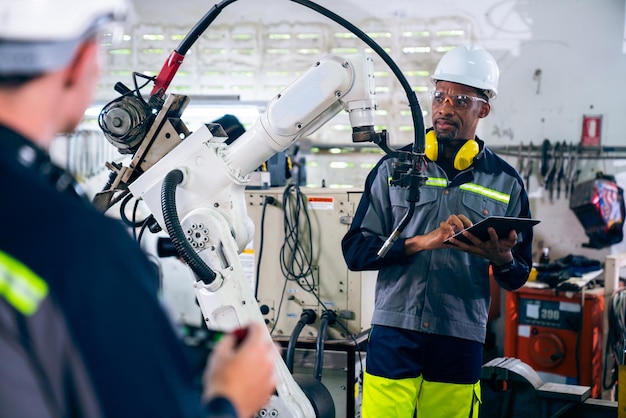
(448, 135)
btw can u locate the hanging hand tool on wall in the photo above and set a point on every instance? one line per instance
(547, 166)
(572, 169)
(559, 157)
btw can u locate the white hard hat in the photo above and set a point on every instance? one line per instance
(469, 65)
(42, 35)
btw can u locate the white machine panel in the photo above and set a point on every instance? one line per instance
(331, 285)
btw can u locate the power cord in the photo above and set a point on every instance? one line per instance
(616, 339)
(269, 200)
(148, 222)
(295, 258)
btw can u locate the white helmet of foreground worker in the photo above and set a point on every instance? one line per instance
(470, 65)
(38, 36)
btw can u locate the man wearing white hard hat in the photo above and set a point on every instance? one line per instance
(424, 351)
(82, 331)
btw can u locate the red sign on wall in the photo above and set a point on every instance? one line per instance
(591, 131)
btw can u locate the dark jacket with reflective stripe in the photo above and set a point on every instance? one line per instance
(106, 287)
(43, 374)
(443, 291)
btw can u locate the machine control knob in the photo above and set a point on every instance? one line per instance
(546, 349)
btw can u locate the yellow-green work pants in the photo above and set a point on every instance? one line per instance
(400, 398)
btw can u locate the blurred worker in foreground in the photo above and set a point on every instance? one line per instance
(432, 298)
(82, 333)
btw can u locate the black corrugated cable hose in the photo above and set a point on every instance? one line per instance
(328, 318)
(175, 231)
(307, 317)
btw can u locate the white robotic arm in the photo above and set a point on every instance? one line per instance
(332, 84)
(209, 193)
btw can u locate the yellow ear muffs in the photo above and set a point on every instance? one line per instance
(432, 147)
(464, 157)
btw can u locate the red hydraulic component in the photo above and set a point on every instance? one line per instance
(167, 73)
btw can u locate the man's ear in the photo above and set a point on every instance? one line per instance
(484, 110)
(86, 52)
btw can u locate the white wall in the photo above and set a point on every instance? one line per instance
(577, 45)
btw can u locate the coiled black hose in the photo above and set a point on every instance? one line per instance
(175, 231)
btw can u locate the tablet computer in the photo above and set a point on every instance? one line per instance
(502, 224)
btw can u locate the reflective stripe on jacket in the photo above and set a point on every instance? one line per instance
(43, 374)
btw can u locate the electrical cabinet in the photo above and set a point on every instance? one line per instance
(323, 219)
